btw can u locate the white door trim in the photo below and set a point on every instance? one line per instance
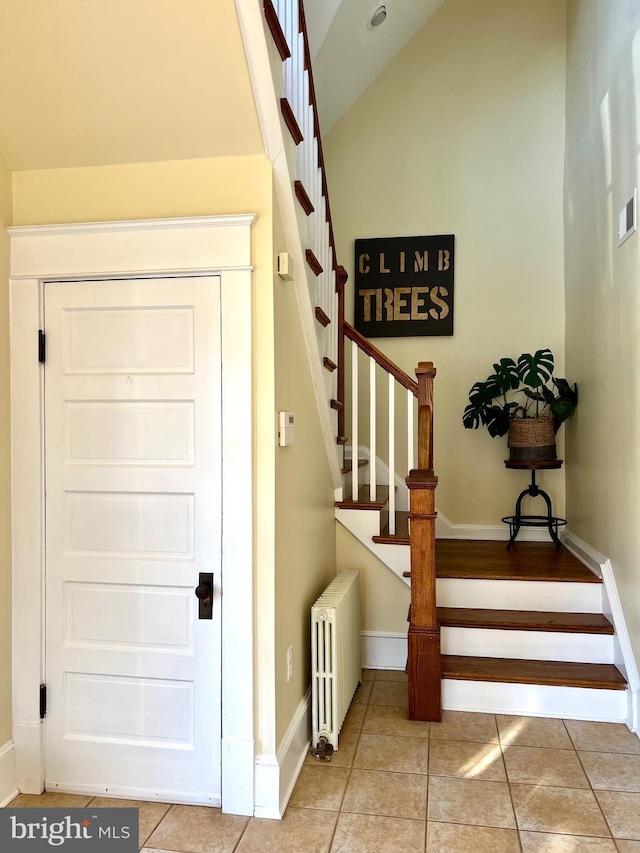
(218, 245)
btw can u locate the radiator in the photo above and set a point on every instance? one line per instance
(335, 655)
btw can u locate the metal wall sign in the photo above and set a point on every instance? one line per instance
(404, 286)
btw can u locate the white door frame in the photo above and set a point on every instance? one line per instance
(218, 245)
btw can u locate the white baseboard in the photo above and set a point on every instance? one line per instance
(29, 741)
(237, 767)
(623, 658)
(446, 529)
(8, 777)
(382, 650)
(276, 775)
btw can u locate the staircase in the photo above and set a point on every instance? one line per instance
(519, 632)
(522, 631)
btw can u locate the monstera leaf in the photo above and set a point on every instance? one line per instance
(473, 414)
(563, 405)
(505, 376)
(535, 370)
(497, 419)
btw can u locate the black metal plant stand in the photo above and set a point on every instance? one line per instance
(533, 490)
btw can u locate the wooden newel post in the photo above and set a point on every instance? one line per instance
(424, 664)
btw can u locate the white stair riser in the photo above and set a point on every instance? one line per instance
(528, 645)
(520, 595)
(535, 700)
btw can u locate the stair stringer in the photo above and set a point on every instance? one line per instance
(624, 658)
(364, 524)
(257, 45)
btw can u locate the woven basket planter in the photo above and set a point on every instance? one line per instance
(532, 440)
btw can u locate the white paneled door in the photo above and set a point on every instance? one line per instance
(133, 516)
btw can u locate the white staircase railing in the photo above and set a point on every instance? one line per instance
(377, 413)
(298, 105)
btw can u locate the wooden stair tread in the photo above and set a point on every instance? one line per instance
(603, 676)
(290, 120)
(401, 536)
(363, 501)
(348, 466)
(525, 620)
(490, 560)
(321, 317)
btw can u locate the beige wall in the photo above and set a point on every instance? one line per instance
(5, 462)
(603, 286)
(385, 598)
(304, 510)
(463, 133)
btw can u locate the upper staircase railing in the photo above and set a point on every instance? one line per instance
(379, 411)
(299, 110)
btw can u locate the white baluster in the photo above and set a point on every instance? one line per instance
(372, 429)
(354, 420)
(295, 60)
(409, 430)
(298, 75)
(287, 65)
(392, 455)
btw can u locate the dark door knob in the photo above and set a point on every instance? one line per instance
(204, 594)
(203, 591)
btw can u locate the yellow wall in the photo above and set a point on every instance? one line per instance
(304, 508)
(89, 83)
(603, 286)
(5, 462)
(463, 133)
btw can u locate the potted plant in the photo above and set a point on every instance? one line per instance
(523, 398)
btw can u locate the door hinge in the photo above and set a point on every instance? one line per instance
(43, 701)
(42, 346)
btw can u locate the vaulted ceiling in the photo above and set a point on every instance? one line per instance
(347, 55)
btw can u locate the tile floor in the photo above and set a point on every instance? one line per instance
(475, 782)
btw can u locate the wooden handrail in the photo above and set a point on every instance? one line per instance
(380, 358)
(424, 665)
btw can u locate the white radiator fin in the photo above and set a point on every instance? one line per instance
(335, 655)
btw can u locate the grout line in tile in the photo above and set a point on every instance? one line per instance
(355, 752)
(592, 789)
(244, 829)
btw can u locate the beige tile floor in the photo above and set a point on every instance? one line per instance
(474, 782)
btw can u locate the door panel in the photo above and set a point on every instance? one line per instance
(132, 517)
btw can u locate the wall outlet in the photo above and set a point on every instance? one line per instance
(289, 663)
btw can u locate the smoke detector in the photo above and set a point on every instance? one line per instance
(378, 16)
